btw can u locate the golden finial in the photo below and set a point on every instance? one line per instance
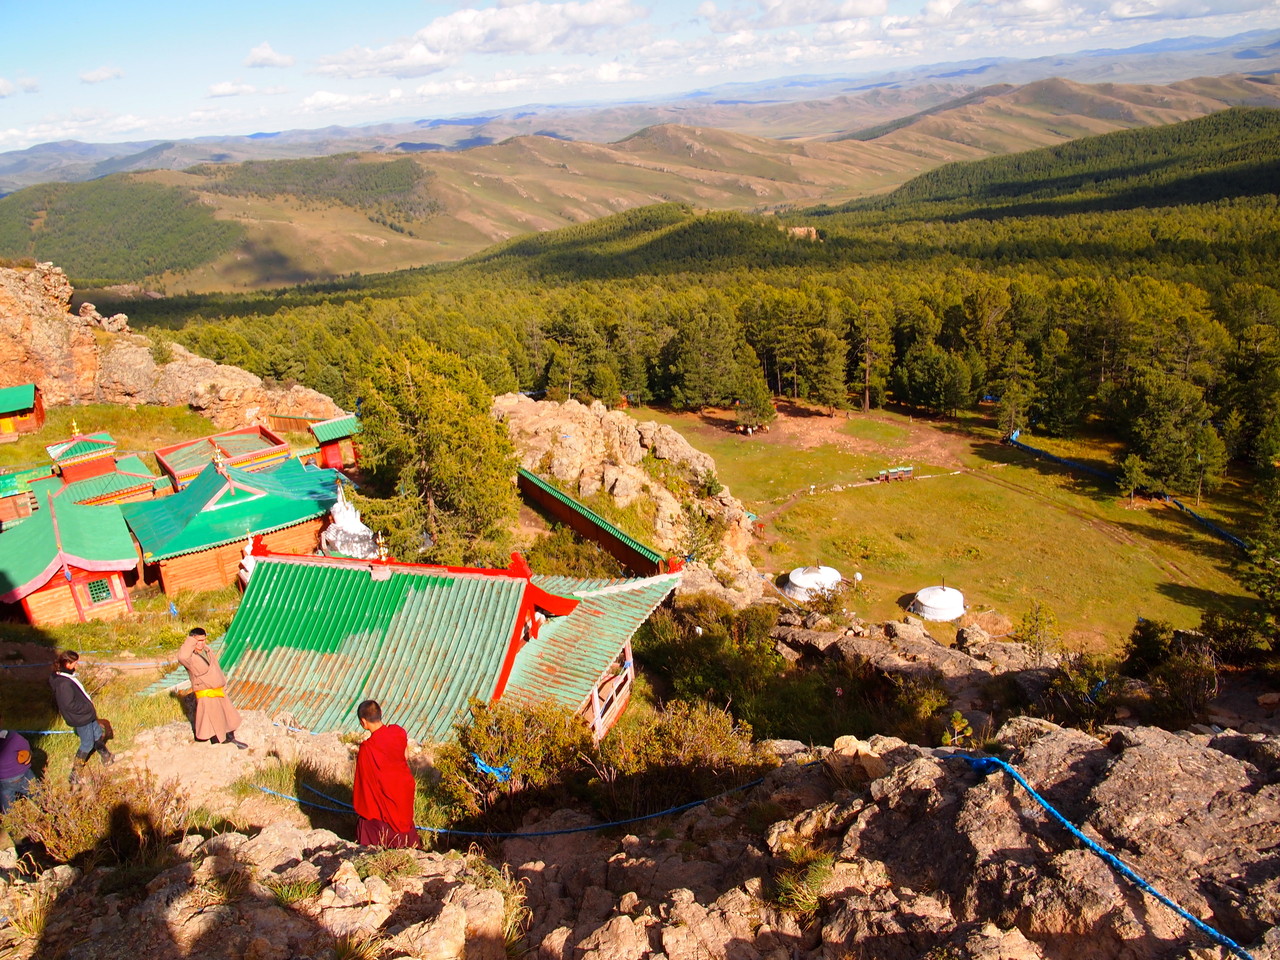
(381, 542)
(75, 430)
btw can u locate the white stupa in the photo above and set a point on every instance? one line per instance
(805, 583)
(938, 603)
(346, 534)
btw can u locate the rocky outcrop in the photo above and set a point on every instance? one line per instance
(86, 358)
(590, 449)
(904, 649)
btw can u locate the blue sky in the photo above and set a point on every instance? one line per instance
(144, 69)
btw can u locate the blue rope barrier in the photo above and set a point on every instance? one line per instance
(540, 833)
(41, 733)
(318, 806)
(985, 765)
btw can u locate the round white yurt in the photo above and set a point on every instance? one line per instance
(805, 583)
(938, 603)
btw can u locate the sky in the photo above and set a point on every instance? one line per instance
(136, 70)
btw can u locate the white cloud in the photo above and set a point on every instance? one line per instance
(509, 29)
(101, 74)
(325, 101)
(231, 88)
(25, 84)
(263, 56)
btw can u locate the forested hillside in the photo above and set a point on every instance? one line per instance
(114, 229)
(1160, 323)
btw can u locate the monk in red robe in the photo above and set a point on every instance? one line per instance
(384, 787)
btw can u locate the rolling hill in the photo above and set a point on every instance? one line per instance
(272, 223)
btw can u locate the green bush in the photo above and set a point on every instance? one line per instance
(565, 554)
(542, 744)
(685, 752)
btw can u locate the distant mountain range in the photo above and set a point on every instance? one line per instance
(803, 107)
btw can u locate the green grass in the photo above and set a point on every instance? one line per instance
(876, 428)
(1010, 530)
(141, 431)
(150, 632)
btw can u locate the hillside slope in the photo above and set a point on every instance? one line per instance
(269, 223)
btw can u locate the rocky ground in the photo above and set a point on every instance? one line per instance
(928, 859)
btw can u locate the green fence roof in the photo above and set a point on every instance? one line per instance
(338, 428)
(62, 532)
(570, 653)
(216, 508)
(314, 637)
(19, 480)
(84, 445)
(130, 472)
(17, 399)
(583, 510)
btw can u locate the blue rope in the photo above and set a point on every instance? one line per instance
(985, 765)
(541, 833)
(318, 806)
(41, 733)
(502, 774)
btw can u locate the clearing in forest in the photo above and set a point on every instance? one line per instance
(1001, 526)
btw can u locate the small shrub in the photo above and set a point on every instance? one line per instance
(704, 534)
(958, 732)
(798, 884)
(228, 887)
(386, 864)
(565, 554)
(541, 744)
(1038, 629)
(289, 892)
(1184, 684)
(359, 946)
(1147, 648)
(1082, 690)
(32, 916)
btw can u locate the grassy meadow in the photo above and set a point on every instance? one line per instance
(139, 430)
(1003, 527)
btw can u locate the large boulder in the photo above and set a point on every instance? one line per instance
(590, 449)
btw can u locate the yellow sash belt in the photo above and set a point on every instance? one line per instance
(211, 692)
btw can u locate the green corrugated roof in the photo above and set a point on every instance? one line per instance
(316, 638)
(14, 399)
(647, 552)
(191, 520)
(239, 444)
(64, 451)
(62, 531)
(571, 653)
(191, 457)
(19, 480)
(336, 429)
(130, 472)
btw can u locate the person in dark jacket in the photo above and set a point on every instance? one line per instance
(76, 707)
(15, 768)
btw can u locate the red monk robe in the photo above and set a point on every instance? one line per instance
(384, 790)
